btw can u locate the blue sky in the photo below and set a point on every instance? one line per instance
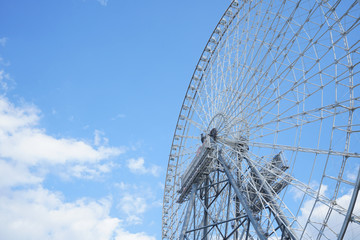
(90, 94)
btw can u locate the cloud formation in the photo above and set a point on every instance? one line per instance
(5, 79)
(137, 166)
(103, 2)
(30, 211)
(23, 144)
(41, 214)
(335, 222)
(99, 138)
(3, 41)
(133, 207)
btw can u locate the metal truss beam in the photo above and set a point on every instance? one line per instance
(216, 223)
(188, 211)
(254, 222)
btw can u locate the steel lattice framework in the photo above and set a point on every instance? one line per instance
(267, 140)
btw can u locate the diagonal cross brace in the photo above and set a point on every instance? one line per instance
(254, 222)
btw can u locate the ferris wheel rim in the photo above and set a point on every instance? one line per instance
(186, 107)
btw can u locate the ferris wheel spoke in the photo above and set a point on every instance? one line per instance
(291, 181)
(240, 101)
(293, 86)
(199, 111)
(310, 115)
(186, 151)
(199, 126)
(246, 43)
(302, 149)
(278, 56)
(303, 117)
(204, 101)
(269, 100)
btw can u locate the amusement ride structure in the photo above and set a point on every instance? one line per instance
(267, 143)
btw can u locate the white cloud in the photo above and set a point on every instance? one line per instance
(41, 214)
(118, 116)
(135, 200)
(33, 146)
(23, 142)
(352, 175)
(3, 41)
(133, 206)
(5, 63)
(28, 154)
(99, 138)
(27, 209)
(5, 79)
(335, 221)
(122, 186)
(138, 166)
(103, 2)
(84, 171)
(125, 235)
(13, 174)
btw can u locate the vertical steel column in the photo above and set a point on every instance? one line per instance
(188, 211)
(243, 201)
(240, 151)
(237, 214)
(228, 210)
(237, 203)
(247, 230)
(206, 205)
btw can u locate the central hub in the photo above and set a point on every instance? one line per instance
(220, 123)
(213, 134)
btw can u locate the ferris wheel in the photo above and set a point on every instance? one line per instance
(267, 143)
